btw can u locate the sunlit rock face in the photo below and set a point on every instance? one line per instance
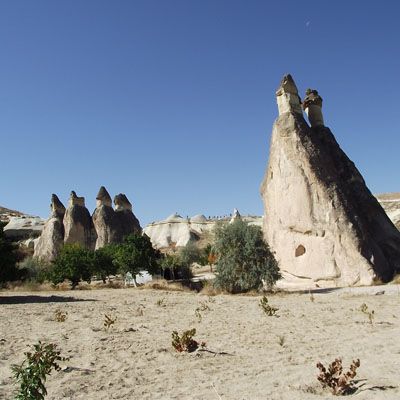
(322, 222)
(52, 237)
(104, 219)
(78, 223)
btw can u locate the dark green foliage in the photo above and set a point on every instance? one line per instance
(104, 261)
(173, 267)
(74, 263)
(31, 374)
(137, 254)
(33, 269)
(8, 269)
(244, 260)
(189, 254)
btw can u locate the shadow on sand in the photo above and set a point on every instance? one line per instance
(32, 299)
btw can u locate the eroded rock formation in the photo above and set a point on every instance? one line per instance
(52, 237)
(104, 218)
(321, 220)
(78, 223)
(125, 221)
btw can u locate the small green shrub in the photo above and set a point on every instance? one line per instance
(244, 260)
(32, 373)
(268, 310)
(185, 343)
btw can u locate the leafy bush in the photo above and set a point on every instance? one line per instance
(31, 374)
(104, 261)
(268, 310)
(136, 254)
(8, 269)
(244, 260)
(74, 263)
(340, 383)
(173, 267)
(185, 342)
(190, 254)
(34, 270)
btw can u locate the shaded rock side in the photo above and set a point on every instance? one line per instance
(104, 219)
(125, 222)
(52, 237)
(78, 223)
(321, 220)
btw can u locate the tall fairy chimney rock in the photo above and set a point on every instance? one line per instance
(125, 221)
(78, 223)
(104, 218)
(321, 220)
(312, 105)
(52, 237)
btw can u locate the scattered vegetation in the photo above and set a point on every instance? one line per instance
(109, 321)
(370, 313)
(244, 260)
(281, 340)
(185, 343)
(203, 306)
(340, 383)
(161, 302)
(32, 373)
(60, 316)
(268, 310)
(174, 268)
(8, 259)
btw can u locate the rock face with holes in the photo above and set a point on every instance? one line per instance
(78, 223)
(321, 220)
(52, 237)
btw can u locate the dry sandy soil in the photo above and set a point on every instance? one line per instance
(134, 359)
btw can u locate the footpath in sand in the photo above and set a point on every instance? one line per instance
(268, 357)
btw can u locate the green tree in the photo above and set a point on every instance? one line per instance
(190, 254)
(137, 254)
(104, 261)
(8, 269)
(173, 267)
(74, 263)
(244, 260)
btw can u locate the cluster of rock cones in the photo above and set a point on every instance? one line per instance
(76, 225)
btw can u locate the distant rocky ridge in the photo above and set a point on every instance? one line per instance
(76, 225)
(176, 231)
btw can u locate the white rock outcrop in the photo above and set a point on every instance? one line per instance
(322, 222)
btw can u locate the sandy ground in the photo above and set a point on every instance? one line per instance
(135, 359)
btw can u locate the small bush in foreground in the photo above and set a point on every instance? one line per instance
(31, 374)
(244, 260)
(340, 383)
(268, 310)
(60, 316)
(109, 321)
(185, 343)
(370, 313)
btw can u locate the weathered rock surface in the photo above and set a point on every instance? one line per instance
(390, 202)
(23, 227)
(78, 223)
(104, 219)
(125, 221)
(320, 219)
(52, 238)
(176, 231)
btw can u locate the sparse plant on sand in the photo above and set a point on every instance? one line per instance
(109, 321)
(339, 383)
(202, 307)
(281, 340)
(60, 316)
(32, 373)
(370, 313)
(312, 298)
(268, 310)
(185, 342)
(161, 302)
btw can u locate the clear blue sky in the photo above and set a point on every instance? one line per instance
(172, 101)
